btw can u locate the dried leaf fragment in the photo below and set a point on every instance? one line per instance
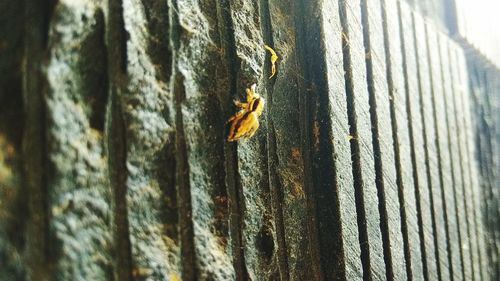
(274, 59)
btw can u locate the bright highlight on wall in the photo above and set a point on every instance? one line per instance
(479, 24)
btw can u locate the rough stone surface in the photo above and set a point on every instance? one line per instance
(149, 136)
(114, 163)
(78, 187)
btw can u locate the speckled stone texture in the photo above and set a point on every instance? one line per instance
(115, 164)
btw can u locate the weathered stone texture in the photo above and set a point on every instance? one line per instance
(115, 164)
(77, 184)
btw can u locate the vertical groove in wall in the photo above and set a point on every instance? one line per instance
(328, 204)
(481, 154)
(233, 182)
(439, 156)
(450, 152)
(355, 149)
(116, 140)
(397, 156)
(118, 173)
(334, 253)
(379, 177)
(489, 104)
(183, 187)
(277, 199)
(488, 132)
(469, 213)
(413, 155)
(424, 132)
(47, 9)
(301, 11)
(475, 127)
(274, 183)
(465, 168)
(34, 146)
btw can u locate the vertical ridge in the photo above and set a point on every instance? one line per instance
(233, 182)
(412, 145)
(355, 149)
(186, 231)
(447, 108)
(275, 186)
(397, 157)
(379, 177)
(475, 151)
(339, 247)
(426, 150)
(439, 157)
(465, 172)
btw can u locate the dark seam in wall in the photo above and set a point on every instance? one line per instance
(116, 36)
(397, 152)
(355, 147)
(117, 145)
(476, 209)
(186, 231)
(183, 186)
(48, 8)
(413, 156)
(427, 168)
(378, 165)
(438, 150)
(454, 90)
(272, 157)
(233, 182)
(305, 125)
(44, 186)
(277, 201)
(34, 143)
(463, 169)
(326, 180)
(117, 158)
(324, 166)
(450, 152)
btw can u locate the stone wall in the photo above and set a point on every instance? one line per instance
(374, 159)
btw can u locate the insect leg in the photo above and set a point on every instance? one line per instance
(238, 115)
(240, 104)
(253, 129)
(251, 94)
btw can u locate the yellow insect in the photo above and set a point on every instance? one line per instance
(245, 122)
(274, 59)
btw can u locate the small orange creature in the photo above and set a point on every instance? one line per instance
(245, 122)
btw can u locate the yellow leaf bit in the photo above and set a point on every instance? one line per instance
(274, 59)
